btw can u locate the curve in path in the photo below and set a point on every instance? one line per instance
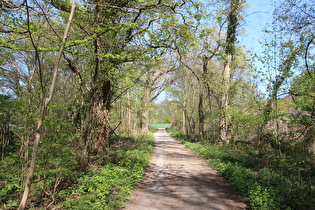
(177, 179)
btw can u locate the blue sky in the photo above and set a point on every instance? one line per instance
(258, 16)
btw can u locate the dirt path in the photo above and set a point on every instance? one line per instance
(178, 179)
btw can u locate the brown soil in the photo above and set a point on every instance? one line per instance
(178, 179)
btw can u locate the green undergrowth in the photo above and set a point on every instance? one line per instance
(264, 178)
(60, 183)
(109, 185)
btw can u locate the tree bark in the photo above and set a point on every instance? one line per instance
(201, 113)
(229, 53)
(225, 101)
(184, 129)
(94, 139)
(44, 108)
(129, 115)
(145, 110)
(100, 127)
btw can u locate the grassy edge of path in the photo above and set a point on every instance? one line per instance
(263, 180)
(109, 185)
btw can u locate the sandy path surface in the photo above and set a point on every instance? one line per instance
(178, 179)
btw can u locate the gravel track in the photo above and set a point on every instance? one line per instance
(178, 179)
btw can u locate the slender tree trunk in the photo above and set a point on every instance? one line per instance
(184, 123)
(145, 111)
(129, 116)
(203, 84)
(229, 53)
(201, 114)
(45, 104)
(84, 143)
(285, 69)
(225, 101)
(145, 121)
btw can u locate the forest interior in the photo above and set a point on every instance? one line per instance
(85, 83)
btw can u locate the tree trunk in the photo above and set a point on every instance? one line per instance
(100, 137)
(285, 69)
(145, 111)
(46, 102)
(95, 128)
(229, 53)
(225, 101)
(184, 129)
(129, 116)
(201, 114)
(95, 122)
(84, 143)
(145, 121)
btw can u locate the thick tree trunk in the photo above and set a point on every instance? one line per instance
(95, 123)
(100, 137)
(95, 130)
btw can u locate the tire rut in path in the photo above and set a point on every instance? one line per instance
(177, 179)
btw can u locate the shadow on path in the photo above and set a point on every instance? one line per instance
(177, 179)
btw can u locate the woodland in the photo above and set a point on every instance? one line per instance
(81, 82)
